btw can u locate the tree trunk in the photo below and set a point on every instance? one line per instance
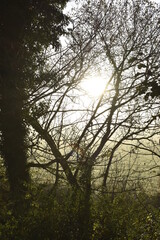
(13, 138)
(85, 214)
(13, 132)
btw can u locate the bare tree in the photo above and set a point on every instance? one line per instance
(119, 39)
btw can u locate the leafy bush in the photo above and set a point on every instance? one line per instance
(58, 216)
(127, 216)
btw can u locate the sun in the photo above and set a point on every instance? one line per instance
(93, 86)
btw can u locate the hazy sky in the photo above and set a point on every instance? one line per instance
(158, 1)
(72, 2)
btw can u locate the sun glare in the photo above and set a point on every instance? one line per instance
(93, 86)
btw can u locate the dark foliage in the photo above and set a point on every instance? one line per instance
(57, 215)
(26, 28)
